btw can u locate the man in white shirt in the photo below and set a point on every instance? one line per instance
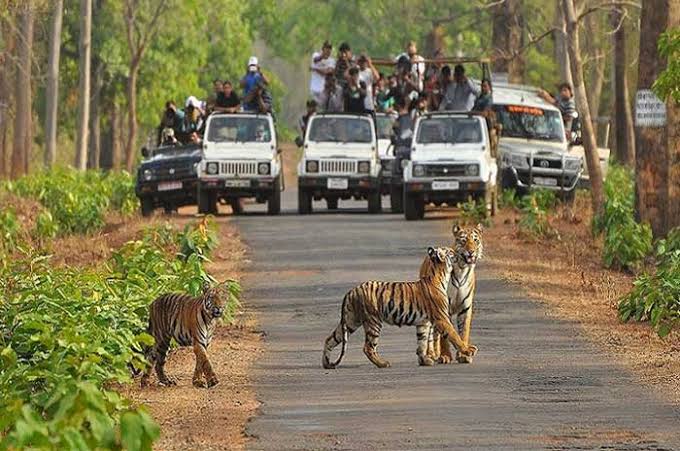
(322, 64)
(417, 64)
(369, 75)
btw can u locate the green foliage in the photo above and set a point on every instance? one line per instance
(9, 229)
(67, 335)
(626, 242)
(473, 212)
(667, 86)
(656, 296)
(535, 221)
(77, 201)
(509, 199)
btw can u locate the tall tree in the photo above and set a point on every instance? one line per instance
(657, 157)
(561, 50)
(595, 49)
(52, 90)
(139, 32)
(507, 40)
(589, 142)
(624, 132)
(5, 92)
(85, 47)
(23, 134)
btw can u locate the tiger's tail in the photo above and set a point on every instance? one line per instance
(332, 341)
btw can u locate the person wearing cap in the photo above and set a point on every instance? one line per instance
(461, 94)
(249, 82)
(322, 64)
(342, 65)
(304, 120)
(369, 75)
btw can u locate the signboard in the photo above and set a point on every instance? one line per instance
(650, 111)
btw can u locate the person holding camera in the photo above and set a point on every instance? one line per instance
(252, 80)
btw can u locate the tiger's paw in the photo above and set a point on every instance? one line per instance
(469, 351)
(461, 358)
(167, 382)
(383, 364)
(445, 359)
(212, 382)
(198, 383)
(425, 361)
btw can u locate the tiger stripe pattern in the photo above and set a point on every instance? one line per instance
(190, 321)
(422, 304)
(467, 249)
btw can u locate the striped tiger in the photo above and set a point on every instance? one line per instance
(468, 249)
(190, 321)
(421, 304)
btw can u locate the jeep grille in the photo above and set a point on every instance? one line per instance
(239, 168)
(338, 166)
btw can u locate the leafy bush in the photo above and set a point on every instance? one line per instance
(657, 296)
(509, 199)
(9, 229)
(473, 212)
(67, 335)
(535, 222)
(626, 242)
(544, 199)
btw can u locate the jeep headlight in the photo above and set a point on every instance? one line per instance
(519, 161)
(263, 168)
(573, 164)
(148, 174)
(418, 170)
(211, 168)
(472, 169)
(364, 167)
(312, 166)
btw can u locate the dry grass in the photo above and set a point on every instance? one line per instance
(568, 277)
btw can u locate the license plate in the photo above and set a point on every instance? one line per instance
(545, 181)
(334, 183)
(448, 185)
(169, 186)
(237, 183)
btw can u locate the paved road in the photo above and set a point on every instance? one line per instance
(535, 384)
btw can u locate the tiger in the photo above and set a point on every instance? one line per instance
(468, 249)
(421, 304)
(191, 322)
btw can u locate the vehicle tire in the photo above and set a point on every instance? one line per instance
(236, 206)
(332, 203)
(169, 209)
(146, 204)
(207, 202)
(397, 198)
(304, 202)
(507, 181)
(414, 206)
(569, 197)
(274, 202)
(375, 202)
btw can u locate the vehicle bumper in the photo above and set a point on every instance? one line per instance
(243, 187)
(526, 178)
(181, 196)
(476, 190)
(355, 185)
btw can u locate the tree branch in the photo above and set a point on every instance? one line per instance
(607, 5)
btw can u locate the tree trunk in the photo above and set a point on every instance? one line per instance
(22, 123)
(596, 52)
(657, 157)
(52, 91)
(132, 115)
(116, 156)
(84, 84)
(94, 152)
(507, 40)
(622, 123)
(5, 95)
(589, 142)
(561, 51)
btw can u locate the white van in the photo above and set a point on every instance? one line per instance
(240, 160)
(339, 161)
(452, 159)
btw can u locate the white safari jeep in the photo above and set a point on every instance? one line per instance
(339, 161)
(240, 159)
(452, 158)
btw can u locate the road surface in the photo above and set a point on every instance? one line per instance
(535, 383)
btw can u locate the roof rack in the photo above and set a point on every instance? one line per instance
(444, 60)
(342, 113)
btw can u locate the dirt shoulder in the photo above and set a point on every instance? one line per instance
(567, 276)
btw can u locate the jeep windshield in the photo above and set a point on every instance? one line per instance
(176, 150)
(239, 129)
(531, 123)
(384, 125)
(340, 130)
(449, 130)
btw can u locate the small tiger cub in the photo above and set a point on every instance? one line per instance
(191, 322)
(423, 304)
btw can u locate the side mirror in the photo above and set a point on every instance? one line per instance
(145, 152)
(298, 141)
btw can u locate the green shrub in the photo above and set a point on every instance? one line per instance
(534, 222)
(473, 212)
(544, 199)
(626, 242)
(67, 335)
(509, 199)
(9, 229)
(656, 296)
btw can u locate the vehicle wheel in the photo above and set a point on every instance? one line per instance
(332, 203)
(507, 181)
(304, 202)
(274, 202)
(374, 202)
(207, 202)
(236, 206)
(146, 206)
(568, 197)
(397, 198)
(169, 209)
(414, 206)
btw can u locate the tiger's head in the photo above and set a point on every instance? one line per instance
(214, 299)
(442, 259)
(467, 243)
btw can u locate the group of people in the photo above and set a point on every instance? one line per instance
(183, 126)
(348, 84)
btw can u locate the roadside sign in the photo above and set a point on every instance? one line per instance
(650, 111)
